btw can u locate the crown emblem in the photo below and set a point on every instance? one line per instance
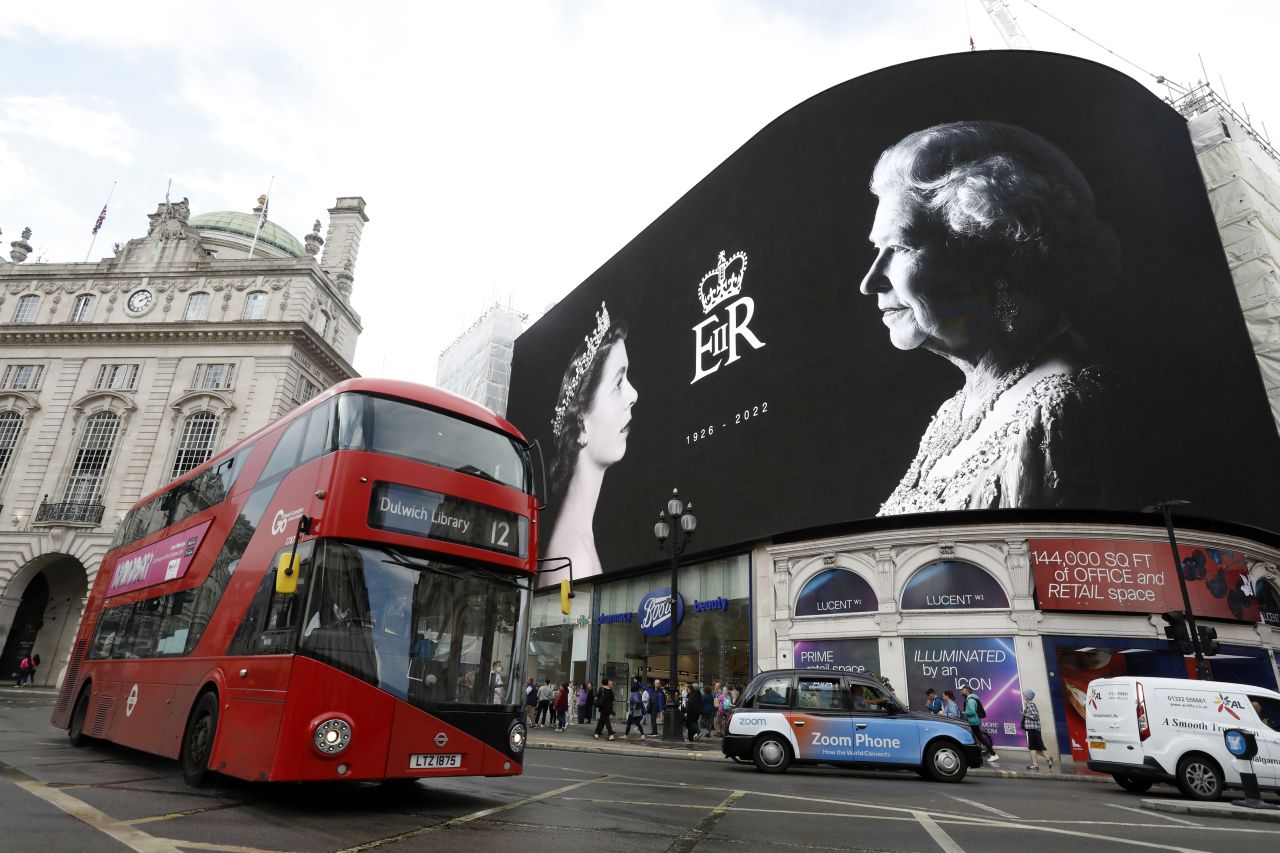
(579, 369)
(723, 281)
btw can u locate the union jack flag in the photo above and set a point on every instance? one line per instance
(266, 201)
(102, 217)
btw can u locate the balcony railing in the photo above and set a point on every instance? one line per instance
(69, 512)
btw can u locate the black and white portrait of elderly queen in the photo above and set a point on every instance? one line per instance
(591, 422)
(981, 232)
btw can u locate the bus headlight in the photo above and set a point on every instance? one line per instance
(332, 736)
(516, 737)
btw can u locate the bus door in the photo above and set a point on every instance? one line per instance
(882, 733)
(820, 721)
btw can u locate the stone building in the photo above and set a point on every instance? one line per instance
(120, 375)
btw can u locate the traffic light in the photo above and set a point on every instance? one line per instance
(1176, 630)
(1208, 640)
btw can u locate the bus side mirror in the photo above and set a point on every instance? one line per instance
(287, 574)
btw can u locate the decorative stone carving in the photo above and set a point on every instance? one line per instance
(888, 622)
(1027, 620)
(947, 549)
(48, 287)
(21, 248)
(344, 278)
(828, 560)
(185, 284)
(1019, 564)
(168, 302)
(16, 287)
(313, 240)
(782, 589)
(275, 283)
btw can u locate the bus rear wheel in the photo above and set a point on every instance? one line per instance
(75, 730)
(197, 743)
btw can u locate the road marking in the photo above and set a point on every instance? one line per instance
(977, 805)
(134, 839)
(946, 842)
(690, 839)
(615, 802)
(171, 815)
(221, 848)
(1149, 814)
(459, 821)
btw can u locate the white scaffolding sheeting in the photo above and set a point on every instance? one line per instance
(1243, 182)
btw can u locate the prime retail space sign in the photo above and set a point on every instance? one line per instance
(1122, 576)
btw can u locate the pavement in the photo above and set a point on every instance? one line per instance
(1220, 809)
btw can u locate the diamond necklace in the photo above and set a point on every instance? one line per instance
(948, 430)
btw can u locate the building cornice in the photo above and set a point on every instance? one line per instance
(92, 335)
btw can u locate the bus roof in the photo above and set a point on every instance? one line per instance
(425, 394)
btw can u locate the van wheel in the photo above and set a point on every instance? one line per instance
(943, 761)
(772, 754)
(197, 744)
(75, 730)
(1199, 778)
(1132, 783)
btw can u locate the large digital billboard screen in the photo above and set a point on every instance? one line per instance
(979, 281)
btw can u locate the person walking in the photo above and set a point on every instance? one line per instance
(635, 710)
(545, 695)
(24, 670)
(561, 706)
(530, 702)
(932, 701)
(657, 705)
(604, 704)
(949, 707)
(692, 711)
(724, 704)
(973, 714)
(591, 702)
(708, 718)
(1031, 725)
(580, 701)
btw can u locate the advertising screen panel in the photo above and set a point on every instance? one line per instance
(1117, 576)
(1025, 305)
(986, 665)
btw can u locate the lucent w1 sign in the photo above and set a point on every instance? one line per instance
(972, 282)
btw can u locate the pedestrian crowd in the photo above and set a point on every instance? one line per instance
(972, 712)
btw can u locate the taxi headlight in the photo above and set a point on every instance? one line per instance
(516, 737)
(332, 736)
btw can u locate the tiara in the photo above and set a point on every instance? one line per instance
(580, 367)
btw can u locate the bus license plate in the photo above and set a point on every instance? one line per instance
(422, 762)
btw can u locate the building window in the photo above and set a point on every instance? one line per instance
(117, 377)
(322, 323)
(82, 311)
(197, 308)
(255, 305)
(306, 389)
(22, 377)
(196, 445)
(27, 307)
(97, 443)
(10, 426)
(213, 377)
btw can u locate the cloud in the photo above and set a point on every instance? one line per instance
(17, 181)
(93, 127)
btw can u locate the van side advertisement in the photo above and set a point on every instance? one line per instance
(1117, 576)
(986, 665)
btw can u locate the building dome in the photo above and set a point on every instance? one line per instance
(224, 223)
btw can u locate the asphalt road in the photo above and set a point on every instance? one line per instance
(107, 798)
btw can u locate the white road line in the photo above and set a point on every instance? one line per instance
(984, 807)
(1148, 813)
(134, 839)
(946, 842)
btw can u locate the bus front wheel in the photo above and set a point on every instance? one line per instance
(197, 743)
(75, 731)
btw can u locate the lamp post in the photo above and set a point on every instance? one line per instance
(1202, 668)
(675, 526)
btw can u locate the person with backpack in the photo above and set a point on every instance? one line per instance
(973, 715)
(604, 704)
(636, 709)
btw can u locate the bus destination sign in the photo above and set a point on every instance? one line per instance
(419, 512)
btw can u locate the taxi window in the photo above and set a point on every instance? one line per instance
(774, 692)
(820, 694)
(869, 700)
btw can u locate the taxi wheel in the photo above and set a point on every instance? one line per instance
(1199, 778)
(944, 762)
(772, 754)
(197, 745)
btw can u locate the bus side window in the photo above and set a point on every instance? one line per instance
(175, 624)
(351, 426)
(144, 628)
(318, 440)
(110, 627)
(270, 625)
(285, 456)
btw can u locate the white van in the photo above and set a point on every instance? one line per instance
(1148, 730)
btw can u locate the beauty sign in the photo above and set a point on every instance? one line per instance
(1118, 576)
(158, 562)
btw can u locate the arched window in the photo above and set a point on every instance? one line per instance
(255, 305)
(199, 434)
(27, 307)
(10, 426)
(82, 311)
(197, 308)
(97, 443)
(952, 585)
(322, 323)
(836, 591)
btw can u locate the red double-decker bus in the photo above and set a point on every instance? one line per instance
(343, 595)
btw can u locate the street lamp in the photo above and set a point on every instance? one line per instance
(678, 535)
(1202, 668)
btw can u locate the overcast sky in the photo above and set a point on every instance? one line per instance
(505, 149)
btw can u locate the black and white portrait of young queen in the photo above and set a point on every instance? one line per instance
(590, 426)
(980, 228)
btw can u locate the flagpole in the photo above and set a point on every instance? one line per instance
(266, 201)
(95, 230)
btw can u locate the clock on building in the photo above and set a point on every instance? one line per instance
(140, 300)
